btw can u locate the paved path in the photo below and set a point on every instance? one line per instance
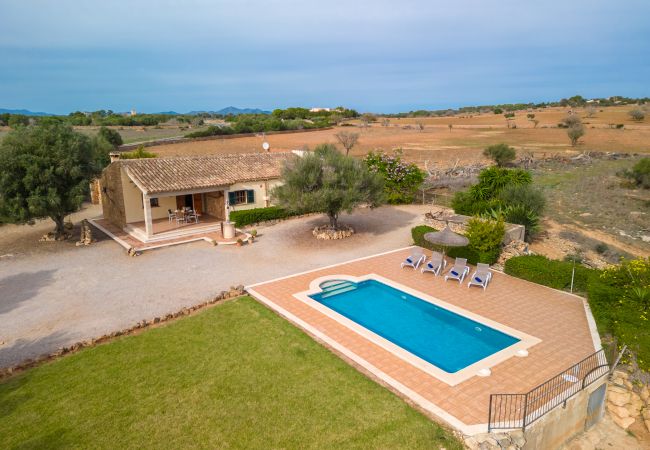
(54, 298)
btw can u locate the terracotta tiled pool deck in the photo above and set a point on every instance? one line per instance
(559, 319)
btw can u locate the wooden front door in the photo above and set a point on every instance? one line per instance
(198, 203)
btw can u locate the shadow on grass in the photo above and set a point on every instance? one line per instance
(24, 349)
(11, 397)
(52, 441)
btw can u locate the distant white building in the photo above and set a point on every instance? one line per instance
(320, 109)
(133, 112)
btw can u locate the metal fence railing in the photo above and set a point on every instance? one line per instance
(508, 411)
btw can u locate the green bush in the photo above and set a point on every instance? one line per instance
(418, 232)
(525, 195)
(472, 255)
(619, 296)
(464, 203)
(111, 136)
(256, 215)
(556, 274)
(501, 154)
(212, 130)
(485, 238)
(503, 194)
(493, 180)
(620, 301)
(640, 173)
(401, 180)
(138, 153)
(522, 215)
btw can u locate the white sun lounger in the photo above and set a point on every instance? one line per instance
(436, 264)
(416, 258)
(458, 271)
(481, 277)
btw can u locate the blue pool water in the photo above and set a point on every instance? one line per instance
(437, 335)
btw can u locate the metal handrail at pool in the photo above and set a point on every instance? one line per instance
(511, 411)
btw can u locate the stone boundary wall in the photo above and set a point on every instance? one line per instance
(172, 141)
(439, 217)
(234, 292)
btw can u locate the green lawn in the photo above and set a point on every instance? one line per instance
(235, 375)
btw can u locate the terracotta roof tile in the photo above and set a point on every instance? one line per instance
(157, 175)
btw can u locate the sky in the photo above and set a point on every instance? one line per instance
(380, 56)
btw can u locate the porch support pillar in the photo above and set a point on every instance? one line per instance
(226, 203)
(148, 221)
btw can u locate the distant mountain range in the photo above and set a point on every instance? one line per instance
(24, 112)
(225, 111)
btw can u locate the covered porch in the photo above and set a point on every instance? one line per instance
(162, 226)
(177, 214)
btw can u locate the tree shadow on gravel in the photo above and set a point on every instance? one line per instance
(16, 289)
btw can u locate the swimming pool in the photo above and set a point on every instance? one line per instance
(443, 338)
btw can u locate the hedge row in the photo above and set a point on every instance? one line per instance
(615, 312)
(556, 274)
(256, 215)
(469, 253)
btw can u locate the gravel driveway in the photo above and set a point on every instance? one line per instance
(51, 299)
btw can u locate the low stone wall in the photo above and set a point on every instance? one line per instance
(182, 140)
(627, 402)
(325, 232)
(513, 440)
(439, 217)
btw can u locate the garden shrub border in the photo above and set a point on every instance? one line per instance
(244, 217)
(552, 273)
(613, 314)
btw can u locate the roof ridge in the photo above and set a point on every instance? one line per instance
(215, 156)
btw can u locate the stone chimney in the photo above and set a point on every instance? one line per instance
(115, 156)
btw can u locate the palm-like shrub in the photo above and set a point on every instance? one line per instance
(493, 179)
(503, 194)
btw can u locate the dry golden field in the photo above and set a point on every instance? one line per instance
(439, 145)
(586, 205)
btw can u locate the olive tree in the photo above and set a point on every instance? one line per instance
(111, 136)
(575, 132)
(637, 114)
(46, 171)
(329, 182)
(575, 128)
(347, 140)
